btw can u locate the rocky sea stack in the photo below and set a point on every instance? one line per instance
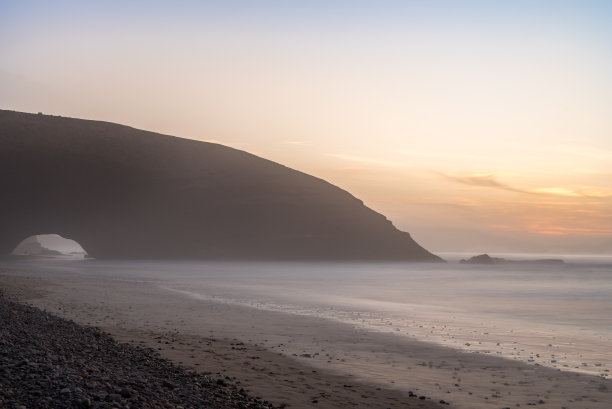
(126, 193)
(486, 259)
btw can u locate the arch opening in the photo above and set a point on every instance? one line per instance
(50, 245)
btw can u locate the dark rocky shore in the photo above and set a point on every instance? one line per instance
(49, 362)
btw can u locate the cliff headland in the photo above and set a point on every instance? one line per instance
(126, 193)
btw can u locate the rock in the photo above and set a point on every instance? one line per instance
(30, 335)
(483, 259)
(49, 245)
(113, 397)
(194, 199)
(486, 259)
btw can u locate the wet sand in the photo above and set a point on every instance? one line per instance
(302, 361)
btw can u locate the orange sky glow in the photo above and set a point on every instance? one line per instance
(475, 126)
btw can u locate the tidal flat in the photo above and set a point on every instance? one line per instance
(353, 334)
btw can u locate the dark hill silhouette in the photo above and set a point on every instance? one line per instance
(126, 193)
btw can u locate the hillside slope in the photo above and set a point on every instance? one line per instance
(126, 193)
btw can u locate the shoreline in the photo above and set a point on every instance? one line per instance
(50, 362)
(303, 369)
(264, 375)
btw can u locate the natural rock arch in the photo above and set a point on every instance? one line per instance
(126, 193)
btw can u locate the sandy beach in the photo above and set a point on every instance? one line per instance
(301, 361)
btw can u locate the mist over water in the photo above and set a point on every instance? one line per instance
(553, 315)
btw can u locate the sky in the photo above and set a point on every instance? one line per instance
(477, 126)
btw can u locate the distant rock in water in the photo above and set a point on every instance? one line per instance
(126, 193)
(486, 259)
(483, 259)
(49, 245)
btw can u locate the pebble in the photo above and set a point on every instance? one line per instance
(50, 362)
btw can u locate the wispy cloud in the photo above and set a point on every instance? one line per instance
(371, 161)
(435, 154)
(585, 191)
(481, 180)
(556, 191)
(490, 181)
(555, 230)
(563, 230)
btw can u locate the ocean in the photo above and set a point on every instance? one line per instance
(553, 315)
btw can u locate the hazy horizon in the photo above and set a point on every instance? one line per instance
(514, 311)
(476, 127)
